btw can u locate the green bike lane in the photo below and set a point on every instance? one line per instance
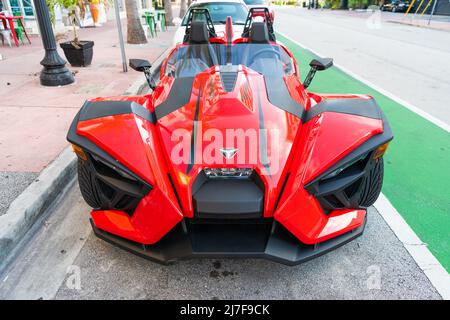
(417, 163)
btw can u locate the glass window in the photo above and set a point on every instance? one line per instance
(15, 7)
(28, 8)
(267, 59)
(254, 2)
(18, 5)
(219, 12)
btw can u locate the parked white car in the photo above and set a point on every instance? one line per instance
(219, 11)
(261, 4)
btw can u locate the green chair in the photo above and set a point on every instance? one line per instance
(18, 28)
(150, 19)
(161, 16)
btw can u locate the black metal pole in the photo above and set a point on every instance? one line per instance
(344, 4)
(119, 30)
(54, 72)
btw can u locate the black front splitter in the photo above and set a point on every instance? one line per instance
(267, 240)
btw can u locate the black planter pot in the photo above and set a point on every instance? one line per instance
(78, 57)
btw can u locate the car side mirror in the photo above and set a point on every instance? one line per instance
(318, 64)
(142, 65)
(321, 63)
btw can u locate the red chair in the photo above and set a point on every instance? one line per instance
(9, 21)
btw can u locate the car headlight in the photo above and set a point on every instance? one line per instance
(339, 170)
(116, 169)
(228, 172)
(376, 154)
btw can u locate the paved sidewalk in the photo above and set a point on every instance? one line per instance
(34, 120)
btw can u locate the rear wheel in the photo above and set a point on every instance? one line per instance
(88, 187)
(371, 185)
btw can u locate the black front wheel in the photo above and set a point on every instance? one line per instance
(372, 183)
(88, 187)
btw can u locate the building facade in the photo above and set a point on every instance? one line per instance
(26, 9)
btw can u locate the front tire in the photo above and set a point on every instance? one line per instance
(371, 185)
(88, 187)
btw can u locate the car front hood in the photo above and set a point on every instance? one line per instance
(260, 135)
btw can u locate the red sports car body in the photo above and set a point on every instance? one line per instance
(230, 155)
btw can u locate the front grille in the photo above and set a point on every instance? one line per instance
(228, 197)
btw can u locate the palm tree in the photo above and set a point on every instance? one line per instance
(183, 8)
(135, 32)
(168, 9)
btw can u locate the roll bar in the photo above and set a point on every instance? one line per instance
(259, 12)
(209, 22)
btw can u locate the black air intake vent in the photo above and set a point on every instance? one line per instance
(117, 189)
(342, 190)
(228, 80)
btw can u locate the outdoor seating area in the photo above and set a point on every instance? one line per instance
(12, 28)
(155, 20)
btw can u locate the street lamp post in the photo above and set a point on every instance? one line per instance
(54, 72)
(119, 30)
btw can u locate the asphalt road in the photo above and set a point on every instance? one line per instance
(409, 61)
(12, 185)
(374, 266)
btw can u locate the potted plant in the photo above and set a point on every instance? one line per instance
(78, 53)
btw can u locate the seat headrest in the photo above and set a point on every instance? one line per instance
(259, 33)
(199, 32)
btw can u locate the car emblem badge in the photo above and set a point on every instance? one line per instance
(228, 153)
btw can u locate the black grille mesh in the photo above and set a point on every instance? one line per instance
(228, 80)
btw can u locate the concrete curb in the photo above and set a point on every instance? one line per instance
(30, 204)
(26, 209)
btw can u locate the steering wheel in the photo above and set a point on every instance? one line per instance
(268, 50)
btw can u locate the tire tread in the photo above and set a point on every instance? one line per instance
(87, 185)
(371, 185)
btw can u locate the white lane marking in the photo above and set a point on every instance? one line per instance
(441, 124)
(427, 262)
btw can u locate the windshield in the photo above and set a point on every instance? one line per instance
(219, 12)
(267, 59)
(254, 2)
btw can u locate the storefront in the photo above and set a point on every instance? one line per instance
(26, 9)
(23, 7)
